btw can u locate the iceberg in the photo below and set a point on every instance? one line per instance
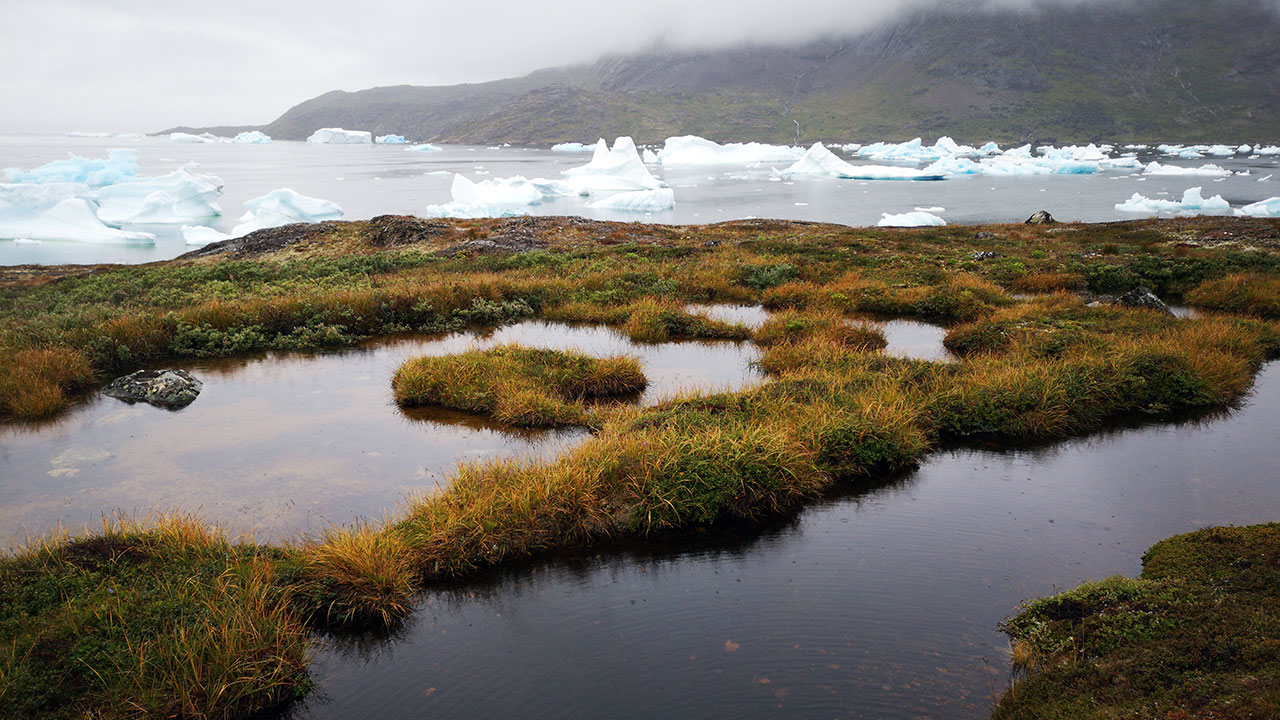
(649, 157)
(572, 147)
(391, 139)
(1244, 150)
(56, 211)
(338, 136)
(118, 166)
(252, 137)
(619, 168)
(1268, 150)
(282, 207)
(424, 147)
(1192, 204)
(202, 235)
(188, 138)
(821, 161)
(1269, 208)
(498, 191)
(1155, 168)
(638, 201)
(911, 219)
(694, 150)
(955, 166)
(179, 197)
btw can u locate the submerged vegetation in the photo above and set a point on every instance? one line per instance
(1193, 637)
(835, 408)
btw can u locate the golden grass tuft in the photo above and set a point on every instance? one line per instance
(358, 575)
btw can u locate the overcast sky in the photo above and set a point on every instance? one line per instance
(143, 65)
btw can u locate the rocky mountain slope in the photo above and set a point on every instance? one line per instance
(1138, 70)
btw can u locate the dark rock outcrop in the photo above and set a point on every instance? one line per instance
(1140, 297)
(172, 389)
(1041, 217)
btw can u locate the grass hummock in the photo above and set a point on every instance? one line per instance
(515, 385)
(1195, 636)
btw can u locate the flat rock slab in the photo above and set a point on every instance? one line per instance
(170, 389)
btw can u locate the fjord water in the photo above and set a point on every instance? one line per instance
(369, 180)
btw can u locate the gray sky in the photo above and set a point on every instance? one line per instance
(142, 65)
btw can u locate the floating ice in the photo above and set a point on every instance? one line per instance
(391, 139)
(694, 150)
(1268, 150)
(1192, 204)
(638, 201)
(617, 169)
(119, 165)
(26, 241)
(83, 134)
(821, 161)
(911, 219)
(338, 136)
(572, 147)
(498, 191)
(649, 157)
(201, 235)
(1244, 150)
(1265, 208)
(1155, 168)
(424, 147)
(282, 207)
(252, 137)
(181, 137)
(56, 211)
(179, 197)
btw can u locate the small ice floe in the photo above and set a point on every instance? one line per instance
(1266, 208)
(424, 147)
(1192, 203)
(390, 140)
(1155, 168)
(911, 219)
(638, 201)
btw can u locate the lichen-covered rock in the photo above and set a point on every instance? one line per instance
(1140, 297)
(1041, 217)
(171, 389)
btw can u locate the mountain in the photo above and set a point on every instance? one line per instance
(1164, 70)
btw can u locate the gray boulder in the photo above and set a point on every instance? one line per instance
(170, 389)
(1042, 217)
(1140, 297)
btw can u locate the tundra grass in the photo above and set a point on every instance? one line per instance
(834, 409)
(1194, 636)
(147, 620)
(515, 385)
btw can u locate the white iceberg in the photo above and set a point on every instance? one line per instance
(179, 197)
(572, 147)
(818, 160)
(498, 191)
(911, 219)
(694, 150)
(391, 139)
(252, 137)
(649, 157)
(283, 207)
(1268, 150)
(638, 201)
(202, 235)
(617, 169)
(118, 166)
(56, 211)
(1155, 168)
(181, 137)
(1268, 208)
(338, 136)
(424, 147)
(955, 166)
(1193, 203)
